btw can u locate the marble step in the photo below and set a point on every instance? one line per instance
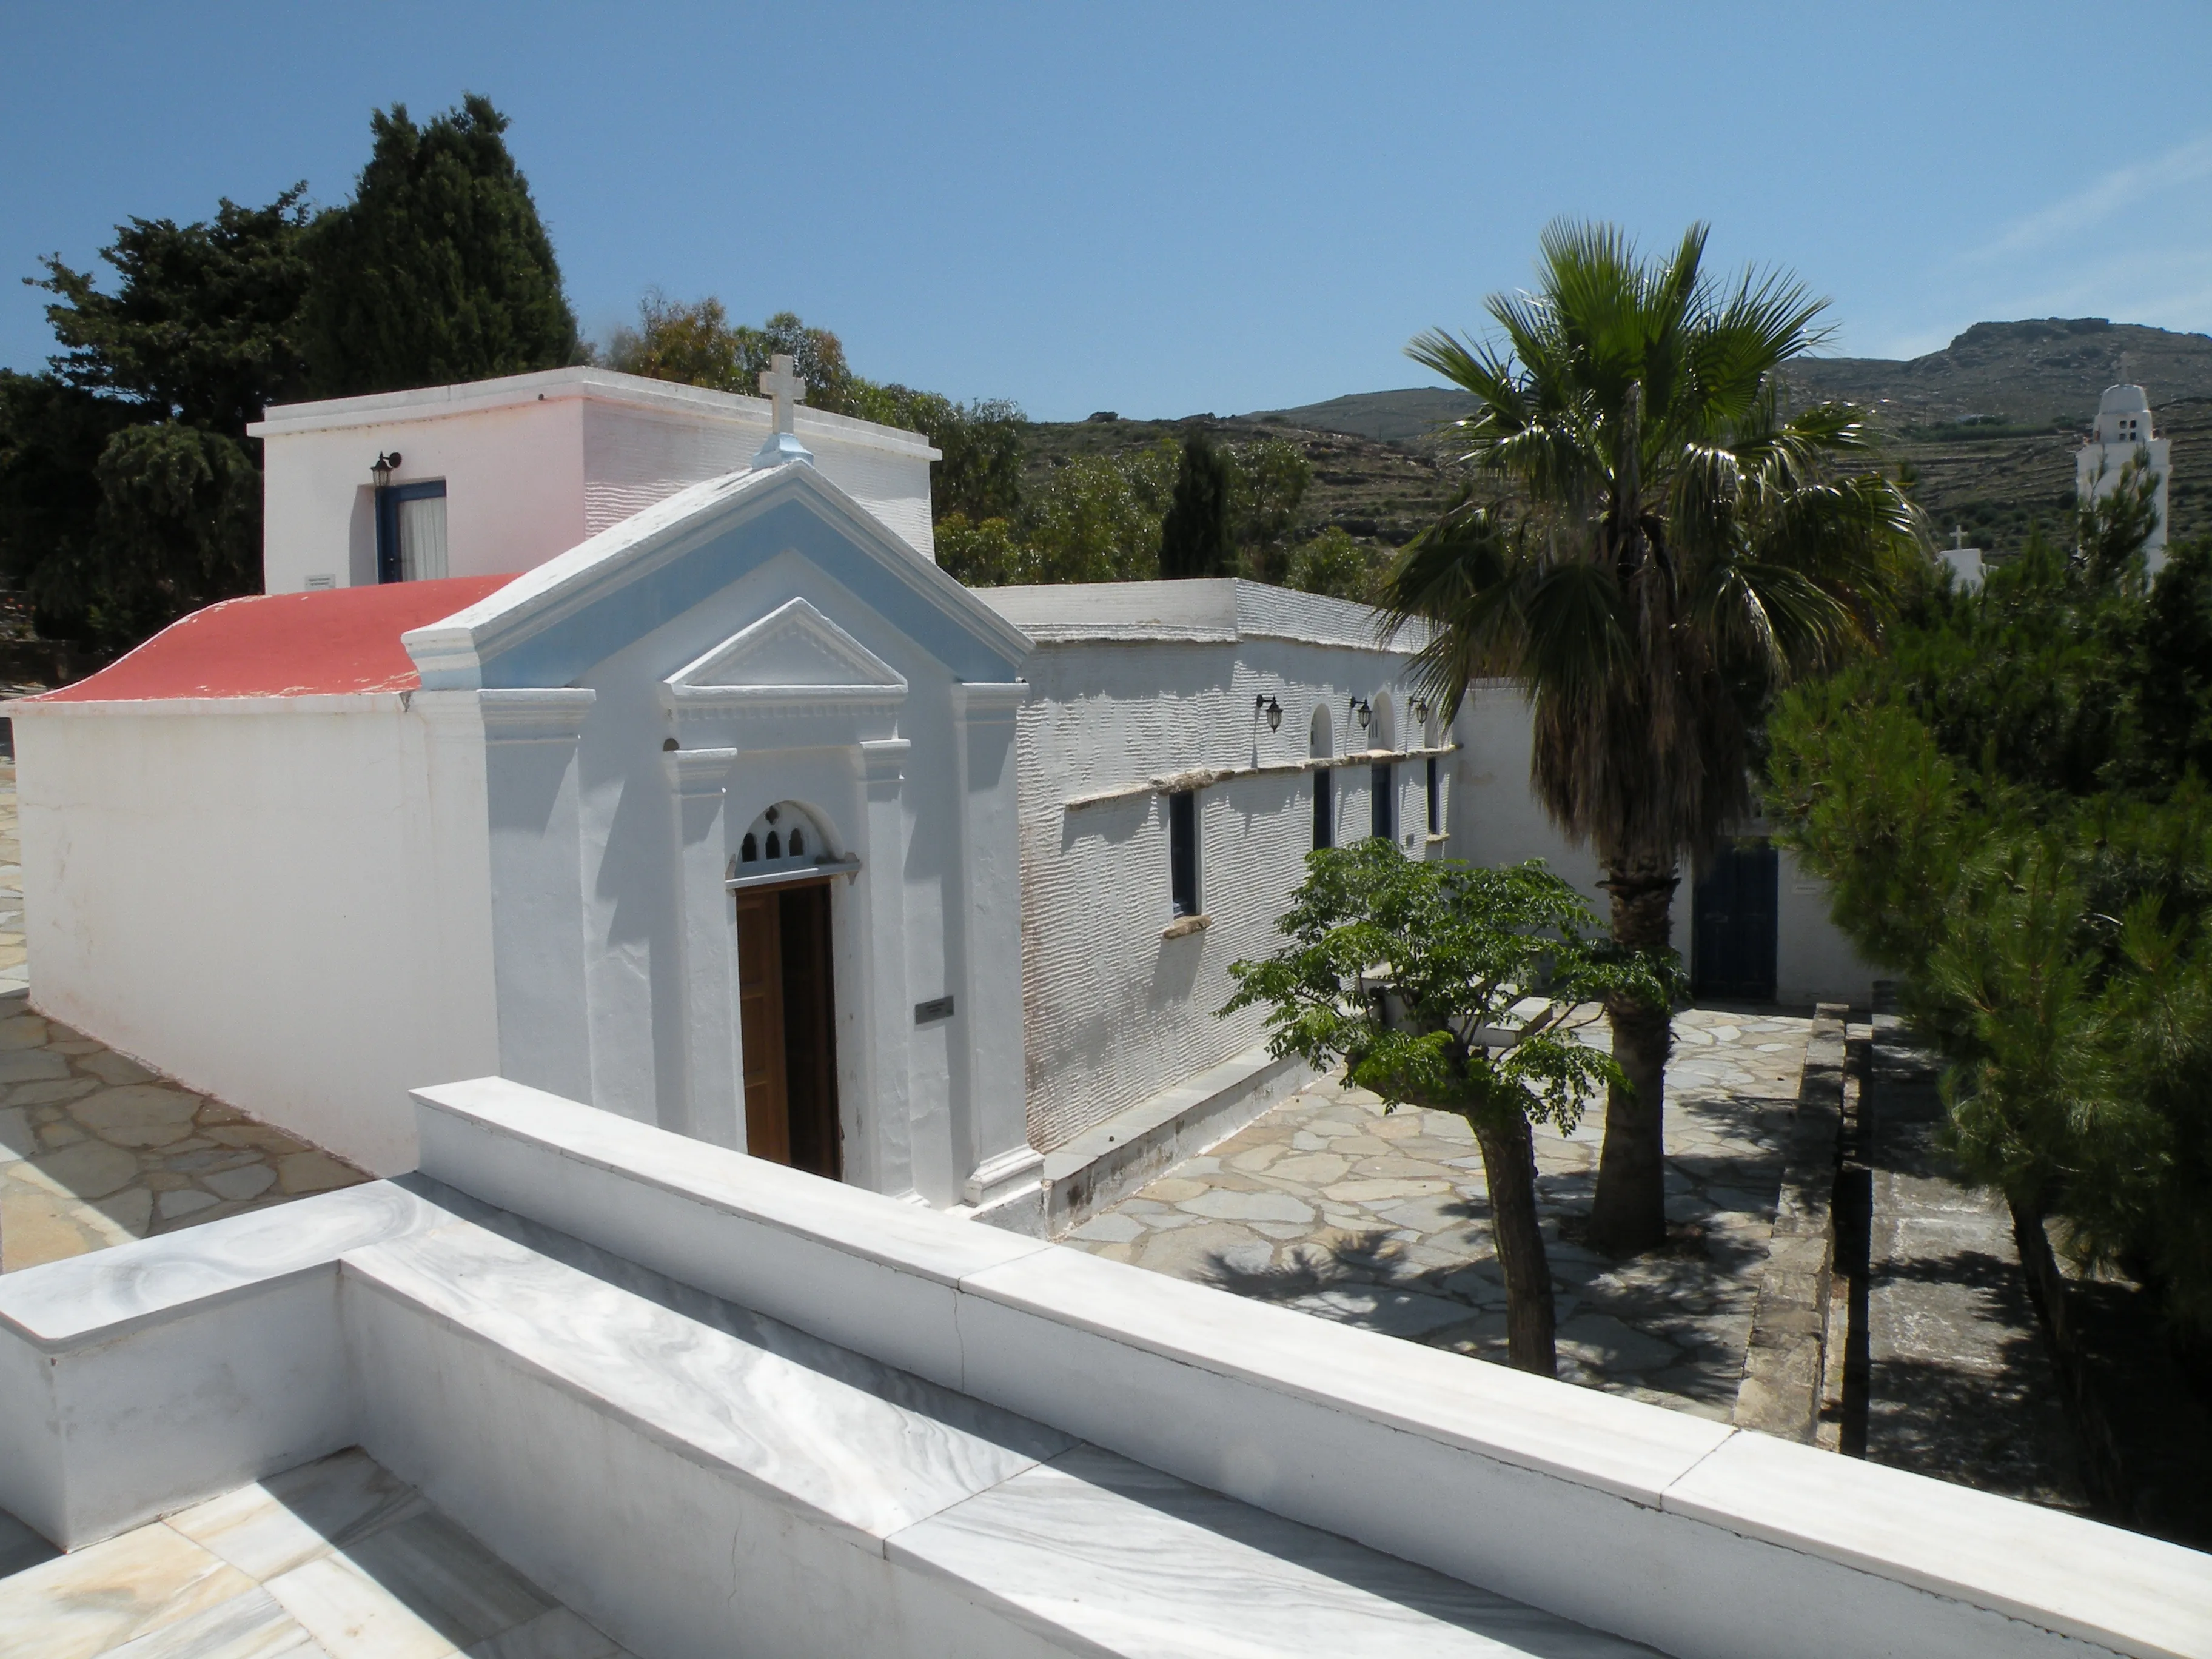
(1053, 1545)
(1105, 1556)
(839, 1440)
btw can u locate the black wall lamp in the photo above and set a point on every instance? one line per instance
(1365, 710)
(1272, 709)
(383, 468)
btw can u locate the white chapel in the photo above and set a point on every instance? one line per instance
(610, 784)
(625, 741)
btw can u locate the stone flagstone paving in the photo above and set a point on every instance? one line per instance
(1328, 1204)
(95, 1150)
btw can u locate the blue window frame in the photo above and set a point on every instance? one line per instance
(1324, 808)
(1182, 851)
(1435, 801)
(400, 533)
(1383, 818)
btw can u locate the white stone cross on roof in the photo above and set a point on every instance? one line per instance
(784, 387)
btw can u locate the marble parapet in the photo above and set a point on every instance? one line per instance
(1488, 1476)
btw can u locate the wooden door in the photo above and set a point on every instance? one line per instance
(761, 1024)
(810, 1028)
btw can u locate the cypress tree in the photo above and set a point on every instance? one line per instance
(1195, 539)
(439, 269)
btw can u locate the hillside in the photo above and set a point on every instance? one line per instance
(1381, 493)
(1990, 423)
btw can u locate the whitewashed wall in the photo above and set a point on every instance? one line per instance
(281, 903)
(1503, 823)
(1143, 680)
(535, 462)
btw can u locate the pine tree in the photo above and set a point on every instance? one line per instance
(439, 269)
(1195, 537)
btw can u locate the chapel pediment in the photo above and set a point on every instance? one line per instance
(793, 654)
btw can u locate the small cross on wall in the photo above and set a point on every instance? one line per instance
(784, 387)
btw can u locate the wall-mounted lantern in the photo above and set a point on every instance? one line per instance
(383, 467)
(1364, 709)
(1272, 709)
(1421, 714)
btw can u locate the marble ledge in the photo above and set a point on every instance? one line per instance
(96, 1296)
(836, 1438)
(1621, 1447)
(2094, 1583)
(1126, 1559)
(460, 1123)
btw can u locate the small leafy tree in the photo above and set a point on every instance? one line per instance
(1271, 480)
(1334, 564)
(1416, 976)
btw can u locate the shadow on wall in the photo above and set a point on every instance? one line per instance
(1110, 821)
(1175, 969)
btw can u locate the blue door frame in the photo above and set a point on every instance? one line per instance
(387, 521)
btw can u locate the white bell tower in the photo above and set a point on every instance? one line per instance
(2124, 434)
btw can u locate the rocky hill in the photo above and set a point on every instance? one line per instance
(1989, 424)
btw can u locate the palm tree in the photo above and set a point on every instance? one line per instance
(1660, 551)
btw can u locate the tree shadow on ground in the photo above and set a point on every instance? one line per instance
(1371, 1259)
(1991, 1418)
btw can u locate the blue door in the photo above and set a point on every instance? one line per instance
(1733, 923)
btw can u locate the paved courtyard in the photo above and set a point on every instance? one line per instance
(94, 1149)
(1330, 1205)
(337, 1559)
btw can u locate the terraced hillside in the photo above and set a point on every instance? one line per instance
(1989, 424)
(1378, 492)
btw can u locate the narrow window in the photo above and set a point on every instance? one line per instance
(1324, 808)
(1435, 801)
(1384, 820)
(1182, 851)
(411, 531)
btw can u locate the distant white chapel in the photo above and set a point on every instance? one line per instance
(624, 740)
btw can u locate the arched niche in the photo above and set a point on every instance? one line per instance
(1383, 730)
(1322, 742)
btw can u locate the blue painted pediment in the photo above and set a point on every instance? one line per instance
(549, 626)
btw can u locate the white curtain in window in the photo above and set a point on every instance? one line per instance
(423, 539)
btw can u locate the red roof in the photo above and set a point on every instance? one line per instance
(284, 645)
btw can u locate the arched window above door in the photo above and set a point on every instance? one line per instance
(784, 837)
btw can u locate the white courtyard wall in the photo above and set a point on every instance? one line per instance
(280, 902)
(1812, 960)
(1115, 1011)
(533, 464)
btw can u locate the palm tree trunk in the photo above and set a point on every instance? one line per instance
(1509, 1168)
(1629, 1212)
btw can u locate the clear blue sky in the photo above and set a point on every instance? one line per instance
(1165, 208)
